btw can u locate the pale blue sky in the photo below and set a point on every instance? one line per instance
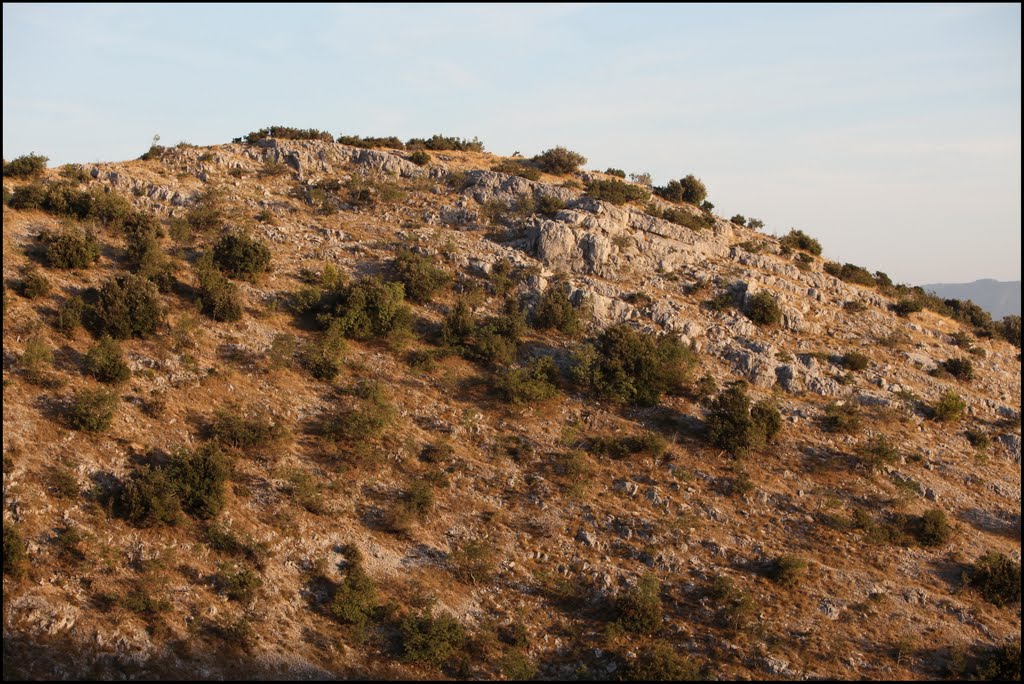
(890, 132)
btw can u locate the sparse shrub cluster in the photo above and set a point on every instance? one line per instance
(645, 444)
(737, 606)
(413, 507)
(762, 308)
(420, 158)
(493, 341)
(207, 213)
(618, 173)
(366, 309)
(559, 161)
(421, 278)
(355, 597)
(630, 366)
(444, 143)
(366, 420)
(681, 217)
(71, 247)
(15, 551)
(473, 561)
(92, 410)
(842, 417)
(431, 640)
(517, 167)
(192, 481)
(555, 310)
(287, 133)
(799, 240)
(959, 368)
(689, 189)
(33, 283)
(949, 408)
(127, 306)
(734, 424)
(852, 273)
(25, 166)
(239, 255)
(105, 361)
(660, 662)
(533, 382)
(877, 452)
(789, 570)
(369, 142)
(640, 609)
(854, 361)
(996, 576)
(237, 582)
(219, 298)
(617, 192)
(247, 434)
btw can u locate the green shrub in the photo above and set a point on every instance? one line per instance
(105, 361)
(414, 506)
(533, 382)
(420, 158)
(238, 583)
(515, 167)
(15, 551)
(473, 561)
(559, 161)
(799, 240)
(517, 666)
(854, 361)
(618, 173)
(65, 199)
(617, 192)
(736, 426)
(198, 477)
(997, 578)
(149, 498)
(69, 314)
(322, 357)
(36, 355)
(219, 298)
(949, 408)
(1009, 329)
(108, 207)
(421, 278)
(74, 172)
(549, 205)
(639, 608)
(959, 368)
(372, 413)
(739, 220)
(245, 433)
(491, 342)
(737, 607)
(555, 310)
(878, 452)
(933, 528)
(127, 306)
(842, 418)
(92, 410)
(630, 366)
(905, 307)
(431, 640)
(1000, 664)
(689, 189)
(389, 142)
(33, 283)
(681, 217)
(240, 256)
(659, 662)
(789, 570)
(71, 248)
(645, 444)
(355, 598)
(31, 196)
(367, 309)
(26, 166)
(763, 309)
(288, 133)
(443, 143)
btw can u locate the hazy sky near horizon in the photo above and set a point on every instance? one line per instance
(890, 132)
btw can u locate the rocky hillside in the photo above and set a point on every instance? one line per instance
(296, 408)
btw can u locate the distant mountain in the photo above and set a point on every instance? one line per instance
(999, 298)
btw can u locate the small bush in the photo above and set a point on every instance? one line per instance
(763, 309)
(26, 166)
(949, 408)
(430, 640)
(639, 608)
(878, 452)
(629, 366)
(961, 369)
(797, 239)
(689, 189)
(322, 357)
(842, 418)
(517, 168)
(556, 310)
(238, 583)
(617, 192)
(367, 309)
(288, 133)
(198, 477)
(997, 578)
(473, 561)
(905, 307)
(549, 205)
(71, 248)
(34, 283)
(245, 433)
(738, 608)
(659, 662)
(421, 278)
(420, 158)
(31, 196)
(355, 598)
(92, 410)
(854, 361)
(645, 444)
(240, 256)
(1009, 329)
(559, 161)
(933, 528)
(443, 143)
(127, 306)
(618, 173)
(372, 413)
(37, 354)
(149, 498)
(1000, 664)
(105, 361)
(789, 570)
(207, 213)
(15, 551)
(219, 298)
(533, 382)
(736, 426)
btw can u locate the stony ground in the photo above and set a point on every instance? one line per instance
(563, 547)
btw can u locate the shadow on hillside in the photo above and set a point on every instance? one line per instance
(1004, 524)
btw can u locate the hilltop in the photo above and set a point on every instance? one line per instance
(999, 298)
(295, 407)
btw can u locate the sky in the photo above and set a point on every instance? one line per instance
(892, 133)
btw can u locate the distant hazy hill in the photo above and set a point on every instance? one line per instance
(997, 297)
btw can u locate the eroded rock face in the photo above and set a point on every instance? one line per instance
(318, 157)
